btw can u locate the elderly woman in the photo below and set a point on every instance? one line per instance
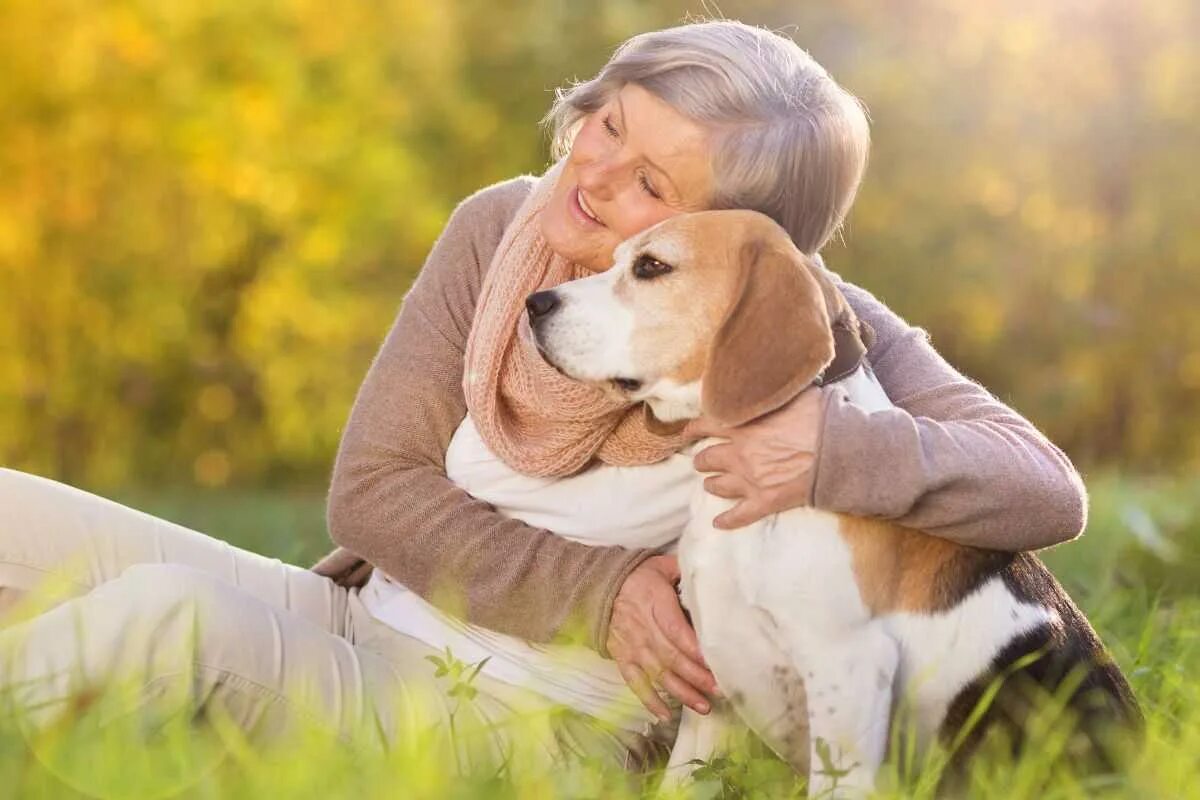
(485, 505)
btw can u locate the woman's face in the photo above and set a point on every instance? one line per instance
(634, 162)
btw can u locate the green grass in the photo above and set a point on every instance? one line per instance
(1136, 573)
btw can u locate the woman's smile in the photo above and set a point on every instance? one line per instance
(581, 209)
(580, 202)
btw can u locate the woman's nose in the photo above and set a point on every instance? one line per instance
(599, 177)
(596, 184)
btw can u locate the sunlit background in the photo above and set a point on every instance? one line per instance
(210, 209)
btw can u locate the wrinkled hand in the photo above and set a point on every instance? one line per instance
(767, 464)
(652, 642)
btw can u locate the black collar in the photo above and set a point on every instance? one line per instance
(851, 339)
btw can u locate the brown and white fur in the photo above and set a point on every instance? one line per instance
(817, 626)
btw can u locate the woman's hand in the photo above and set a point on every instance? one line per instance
(652, 642)
(767, 464)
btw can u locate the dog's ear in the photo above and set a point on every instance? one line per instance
(836, 306)
(839, 310)
(775, 338)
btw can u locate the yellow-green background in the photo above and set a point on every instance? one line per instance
(210, 209)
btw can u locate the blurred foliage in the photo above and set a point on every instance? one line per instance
(210, 210)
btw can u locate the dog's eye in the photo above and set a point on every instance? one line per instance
(627, 384)
(647, 266)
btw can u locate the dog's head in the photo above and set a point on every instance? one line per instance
(715, 312)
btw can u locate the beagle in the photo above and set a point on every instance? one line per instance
(819, 627)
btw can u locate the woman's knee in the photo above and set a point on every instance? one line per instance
(24, 490)
(36, 550)
(51, 530)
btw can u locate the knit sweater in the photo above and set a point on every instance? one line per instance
(950, 459)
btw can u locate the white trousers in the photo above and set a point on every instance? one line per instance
(268, 642)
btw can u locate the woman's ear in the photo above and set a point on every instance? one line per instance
(775, 338)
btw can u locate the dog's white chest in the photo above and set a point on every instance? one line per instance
(795, 561)
(764, 600)
(786, 566)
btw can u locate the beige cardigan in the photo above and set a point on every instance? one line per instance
(951, 460)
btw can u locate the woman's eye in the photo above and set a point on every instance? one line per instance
(649, 189)
(608, 126)
(647, 267)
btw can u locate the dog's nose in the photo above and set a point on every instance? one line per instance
(541, 304)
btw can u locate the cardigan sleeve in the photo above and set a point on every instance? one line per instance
(390, 501)
(950, 459)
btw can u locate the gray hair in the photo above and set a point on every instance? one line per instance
(788, 141)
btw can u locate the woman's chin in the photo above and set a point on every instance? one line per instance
(571, 245)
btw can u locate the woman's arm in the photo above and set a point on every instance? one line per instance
(390, 501)
(951, 459)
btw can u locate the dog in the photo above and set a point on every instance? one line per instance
(819, 627)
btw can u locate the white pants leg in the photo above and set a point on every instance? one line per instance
(203, 621)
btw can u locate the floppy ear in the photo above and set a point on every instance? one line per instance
(774, 341)
(836, 306)
(839, 311)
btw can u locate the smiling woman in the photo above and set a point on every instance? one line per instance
(484, 501)
(570, 495)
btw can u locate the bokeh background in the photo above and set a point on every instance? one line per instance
(211, 209)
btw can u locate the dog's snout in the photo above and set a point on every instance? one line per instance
(541, 304)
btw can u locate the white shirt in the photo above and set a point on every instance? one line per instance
(643, 506)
